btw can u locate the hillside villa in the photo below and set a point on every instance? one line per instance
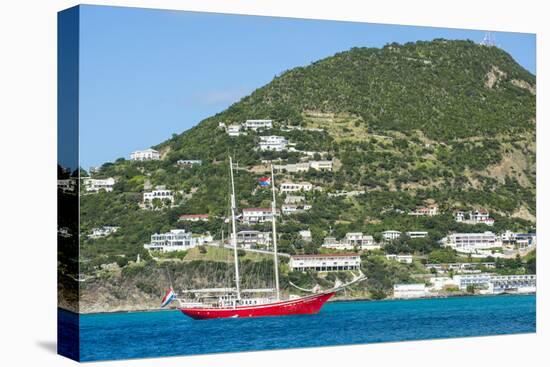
(417, 234)
(519, 240)
(429, 210)
(352, 241)
(304, 166)
(305, 235)
(234, 130)
(288, 209)
(391, 235)
(175, 240)
(187, 163)
(258, 124)
(459, 267)
(321, 165)
(145, 155)
(254, 125)
(360, 240)
(480, 216)
(471, 242)
(257, 215)
(103, 231)
(325, 262)
(290, 187)
(273, 142)
(96, 185)
(160, 193)
(525, 240)
(292, 199)
(292, 167)
(253, 239)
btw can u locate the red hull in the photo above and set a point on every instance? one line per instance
(302, 306)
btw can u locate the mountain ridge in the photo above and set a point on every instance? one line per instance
(437, 59)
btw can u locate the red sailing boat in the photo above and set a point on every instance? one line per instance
(236, 302)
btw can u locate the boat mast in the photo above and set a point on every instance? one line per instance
(273, 221)
(234, 232)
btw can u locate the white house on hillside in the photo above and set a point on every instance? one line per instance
(95, 185)
(289, 187)
(304, 166)
(292, 167)
(359, 240)
(258, 124)
(103, 231)
(234, 130)
(189, 162)
(471, 242)
(159, 193)
(429, 210)
(305, 235)
(417, 234)
(257, 215)
(175, 240)
(288, 209)
(145, 155)
(253, 239)
(391, 235)
(480, 216)
(290, 199)
(352, 241)
(273, 142)
(325, 262)
(321, 165)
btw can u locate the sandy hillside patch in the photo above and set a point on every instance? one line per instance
(524, 213)
(524, 85)
(512, 164)
(494, 76)
(340, 127)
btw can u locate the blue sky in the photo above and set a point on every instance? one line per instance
(146, 74)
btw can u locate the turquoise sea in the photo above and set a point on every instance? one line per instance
(170, 333)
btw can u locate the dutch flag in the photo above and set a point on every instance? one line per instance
(264, 181)
(168, 297)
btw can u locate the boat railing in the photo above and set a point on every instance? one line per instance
(209, 290)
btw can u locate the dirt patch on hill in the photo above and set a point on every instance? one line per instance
(524, 213)
(513, 164)
(494, 76)
(260, 168)
(164, 151)
(524, 85)
(340, 127)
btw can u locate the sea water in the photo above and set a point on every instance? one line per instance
(170, 333)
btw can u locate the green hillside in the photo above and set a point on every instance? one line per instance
(450, 122)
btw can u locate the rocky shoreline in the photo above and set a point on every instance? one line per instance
(149, 307)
